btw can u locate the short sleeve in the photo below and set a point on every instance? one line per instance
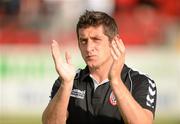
(145, 92)
(55, 88)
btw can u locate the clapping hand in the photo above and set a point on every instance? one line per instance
(65, 70)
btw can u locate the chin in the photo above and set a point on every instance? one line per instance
(92, 65)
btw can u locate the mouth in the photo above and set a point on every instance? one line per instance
(90, 57)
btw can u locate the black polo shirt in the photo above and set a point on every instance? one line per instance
(87, 106)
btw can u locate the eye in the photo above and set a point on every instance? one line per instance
(97, 40)
(83, 41)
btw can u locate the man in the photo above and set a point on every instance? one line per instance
(106, 91)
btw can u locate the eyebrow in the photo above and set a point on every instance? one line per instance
(93, 37)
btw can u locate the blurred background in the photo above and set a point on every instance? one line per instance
(150, 30)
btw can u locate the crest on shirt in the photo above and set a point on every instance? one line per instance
(112, 99)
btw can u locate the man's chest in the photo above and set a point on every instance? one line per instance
(89, 104)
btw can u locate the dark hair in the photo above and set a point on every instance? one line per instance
(96, 18)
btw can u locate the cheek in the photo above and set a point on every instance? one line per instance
(81, 48)
(104, 53)
(83, 53)
(105, 49)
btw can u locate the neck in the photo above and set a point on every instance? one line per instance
(101, 73)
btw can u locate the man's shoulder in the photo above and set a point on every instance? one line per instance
(81, 73)
(137, 77)
(134, 73)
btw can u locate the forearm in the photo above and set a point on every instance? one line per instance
(56, 111)
(131, 111)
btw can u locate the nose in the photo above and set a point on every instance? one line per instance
(90, 46)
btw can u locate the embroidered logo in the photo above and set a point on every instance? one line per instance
(78, 93)
(112, 99)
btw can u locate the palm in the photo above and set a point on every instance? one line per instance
(118, 54)
(65, 69)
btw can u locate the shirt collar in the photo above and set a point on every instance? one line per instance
(86, 72)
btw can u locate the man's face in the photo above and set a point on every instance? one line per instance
(94, 46)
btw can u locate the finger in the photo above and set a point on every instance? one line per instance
(114, 55)
(68, 58)
(55, 52)
(115, 49)
(120, 45)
